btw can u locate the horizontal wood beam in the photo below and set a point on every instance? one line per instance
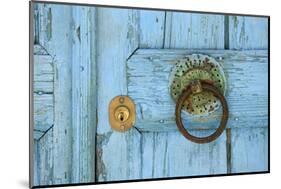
(247, 88)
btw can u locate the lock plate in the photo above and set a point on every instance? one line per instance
(122, 113)
(197, 67)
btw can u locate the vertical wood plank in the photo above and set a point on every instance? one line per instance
(248, 32)
(153, 144)
(249, 147)
(152, 24)
(154, 154)
(249, 150)
(68, 34)
(35, 163)
(59, 44)
(194, 31)
(117, 38)
(83, 94)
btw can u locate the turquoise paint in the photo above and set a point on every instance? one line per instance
(99, 53)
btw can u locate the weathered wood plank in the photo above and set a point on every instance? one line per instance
(83, 95)
(118, 154)
(55, 29)
(249, 146)
(248, 32)
(43, 99)
(43, 112)
(169, 154)
(246, 91)
(44, 161)
(43, 74)
(152, 27)
(68, 34)
(35, 163)
(43, 68)
(249, 150)
(196, 31)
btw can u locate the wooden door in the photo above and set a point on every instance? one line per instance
(95, 54)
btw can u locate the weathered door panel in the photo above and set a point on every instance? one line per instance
(249, 146)
(168, 153)
(99, 53)
(65, 154)
(117, 38)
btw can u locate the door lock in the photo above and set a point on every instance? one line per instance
(122, 113)
(198, 85)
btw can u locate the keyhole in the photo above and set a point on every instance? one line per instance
(121, 116)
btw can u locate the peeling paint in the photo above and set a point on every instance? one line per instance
(49, 24)
(78, 33)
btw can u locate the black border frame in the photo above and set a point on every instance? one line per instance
(31, 145)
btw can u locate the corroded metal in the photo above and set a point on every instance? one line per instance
(122, 113)
(197, 67)
(200, 87)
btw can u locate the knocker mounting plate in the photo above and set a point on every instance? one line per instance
(197, 67)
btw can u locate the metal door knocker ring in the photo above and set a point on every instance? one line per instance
(196, 87)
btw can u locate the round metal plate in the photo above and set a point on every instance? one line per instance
(197, 67)
(122, 113)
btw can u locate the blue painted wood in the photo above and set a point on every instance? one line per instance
(249, 150)
(169, 154)
(55, 37)
(65, 152)
(248, 32)
(43, 78)
(148, 68)
(118, 154)
(151, 29)
(249, 146)
(84, 92)
(82, 40)
(194, 31)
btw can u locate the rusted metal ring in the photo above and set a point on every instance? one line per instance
(185, 94)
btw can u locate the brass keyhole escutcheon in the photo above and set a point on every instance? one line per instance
(122, 113)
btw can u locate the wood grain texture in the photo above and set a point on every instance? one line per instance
(58, 42)
(249, 146)
(83, 94)
(118, 154)
(194, 31)
(67, 34)
(249, 150)
(151, 29)
(248, 32)
(43, 77)
(44, 160)
(155, 108)
(169, 154)
(81, 40)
